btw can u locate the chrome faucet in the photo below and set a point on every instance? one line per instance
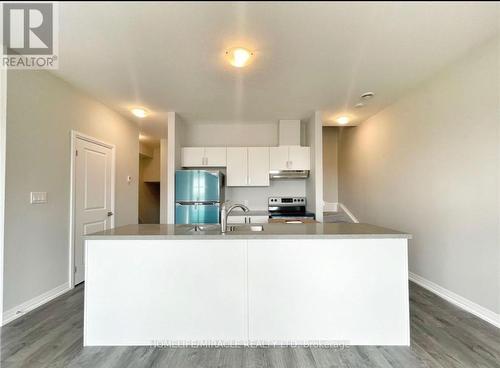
(224, 213)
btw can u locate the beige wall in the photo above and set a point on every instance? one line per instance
(330, 164)
(41, 111)
(235, 134)
(429, 165)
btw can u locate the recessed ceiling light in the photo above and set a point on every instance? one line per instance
(139, 112)
(239, 57)
(367, 95)
(359, 105)
(343, 120)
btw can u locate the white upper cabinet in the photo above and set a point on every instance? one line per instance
(237, 167)
(299, 157)
(193, 156)
(203, 156)
(247, 166)
(258, 166)
(290, 158)
(215, 156)
(278, 158)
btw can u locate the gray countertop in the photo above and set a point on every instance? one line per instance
(271, 231)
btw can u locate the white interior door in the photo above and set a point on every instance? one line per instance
(93, 201)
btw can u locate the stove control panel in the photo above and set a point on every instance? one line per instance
(286, 201)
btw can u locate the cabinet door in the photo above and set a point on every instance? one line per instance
(300, 158)
(237, 167)
(259, 219)
(192, 156)
(258, 166)
(215, 156)
(278, 158)
(236, 220)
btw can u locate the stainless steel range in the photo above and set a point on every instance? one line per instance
(288, 208)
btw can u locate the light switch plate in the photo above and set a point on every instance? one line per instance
(38, 197)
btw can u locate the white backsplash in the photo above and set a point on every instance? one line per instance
(256, 197)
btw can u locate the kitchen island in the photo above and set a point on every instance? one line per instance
(281, 284)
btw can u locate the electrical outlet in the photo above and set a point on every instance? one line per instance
(38, 197)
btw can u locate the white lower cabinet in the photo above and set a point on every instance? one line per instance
(247, 166)
(165, 292)
(242, 219)
(351, 291)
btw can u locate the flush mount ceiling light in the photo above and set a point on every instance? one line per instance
(343, 120)
(139, 112)
(238, 56)
(359, 105)
(367, 95)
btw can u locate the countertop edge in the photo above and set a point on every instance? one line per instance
(247, 236)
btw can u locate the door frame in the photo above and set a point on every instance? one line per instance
(74, 136)
(3, 144)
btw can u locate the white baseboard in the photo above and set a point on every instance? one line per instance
(330, 206)
(348, 213)
(461, 302)
(22, 309)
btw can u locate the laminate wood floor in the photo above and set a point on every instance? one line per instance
(441, 336)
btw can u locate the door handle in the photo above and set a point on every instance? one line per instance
(110, 214)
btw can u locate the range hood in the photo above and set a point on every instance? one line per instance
(289, 174)
(289, 135)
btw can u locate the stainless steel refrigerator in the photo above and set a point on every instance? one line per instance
(198, 196)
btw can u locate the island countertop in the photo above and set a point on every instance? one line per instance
(270, 231)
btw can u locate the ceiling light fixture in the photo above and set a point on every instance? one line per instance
(359, 105)
(367, 95)
(139, 112)
(343, 120)
(239, 57)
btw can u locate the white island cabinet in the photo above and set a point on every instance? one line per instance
(289, 284)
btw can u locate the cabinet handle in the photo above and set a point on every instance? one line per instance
(249, 220)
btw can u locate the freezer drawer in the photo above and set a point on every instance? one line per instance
(197, 213)
(186, 214)
(208, 214)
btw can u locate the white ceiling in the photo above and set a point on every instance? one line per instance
(308, 55)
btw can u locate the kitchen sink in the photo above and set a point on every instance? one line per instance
(245, 228)
(201, 228)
